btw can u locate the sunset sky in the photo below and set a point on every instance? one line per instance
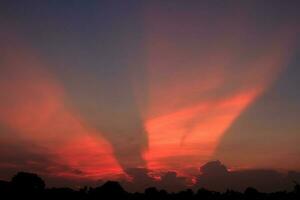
(92, 89)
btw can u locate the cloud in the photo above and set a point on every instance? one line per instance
(171, 182)
(40, 132)
(202, 74)
(212, 175)
(141, 178)
(215, 176)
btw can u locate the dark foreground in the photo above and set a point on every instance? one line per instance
(30, 186)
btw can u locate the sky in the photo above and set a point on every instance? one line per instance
(97, 90)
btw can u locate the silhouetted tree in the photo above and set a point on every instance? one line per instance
(233, 195)
(5, 188)
(203, 193)
(151, 193)
(186, 194)
(251, 193)
(27, 185)
(109, 190)
(297, 188)
(31, 186)
(24, 181)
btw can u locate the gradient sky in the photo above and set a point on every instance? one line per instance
(90, 89)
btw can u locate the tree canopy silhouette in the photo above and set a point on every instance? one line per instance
(30, 186)
(24, 181)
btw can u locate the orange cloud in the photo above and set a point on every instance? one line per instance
(198, 86)
(32, 106)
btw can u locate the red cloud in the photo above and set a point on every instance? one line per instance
(201, 78)
(32, 105)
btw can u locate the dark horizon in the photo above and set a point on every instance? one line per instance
(29, 185)
(213, 176)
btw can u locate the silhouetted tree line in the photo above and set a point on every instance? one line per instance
(31, 186)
